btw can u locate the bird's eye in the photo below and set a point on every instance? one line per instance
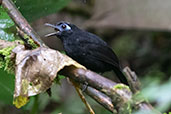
(63, 26)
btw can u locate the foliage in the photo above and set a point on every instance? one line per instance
(6, 80)
(6, 26)
(5, 61)
(157, 93)
(7, 87)
(30, 41)
(34, 9)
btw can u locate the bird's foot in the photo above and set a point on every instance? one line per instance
(85, 87)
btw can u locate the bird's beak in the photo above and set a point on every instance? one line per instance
(50, 25)
(53, 33)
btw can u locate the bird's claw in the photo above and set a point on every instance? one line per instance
(85, 87)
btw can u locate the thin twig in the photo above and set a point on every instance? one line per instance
(133, 80)
(77, 88)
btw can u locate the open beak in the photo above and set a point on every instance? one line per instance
(53, 33)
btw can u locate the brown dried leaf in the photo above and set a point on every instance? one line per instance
(36, 69)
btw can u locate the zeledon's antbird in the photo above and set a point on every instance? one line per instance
(87, 49)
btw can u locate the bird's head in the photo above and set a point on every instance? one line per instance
(61, 29)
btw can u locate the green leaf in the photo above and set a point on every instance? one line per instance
(5, 20)
(34, 9)
(7, 87)
(6, 26)
(6, 36)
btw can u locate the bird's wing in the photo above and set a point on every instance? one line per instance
(97, 49)
(103, 53)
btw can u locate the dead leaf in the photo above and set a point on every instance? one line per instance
(36, 70)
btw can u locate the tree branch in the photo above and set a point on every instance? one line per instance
(133, 80)
(77, 87)
(21, 22)
(101, 98)
(86, 76)
(117, 94)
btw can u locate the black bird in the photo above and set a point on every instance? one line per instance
(87, 49)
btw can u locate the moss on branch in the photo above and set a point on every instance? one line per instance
(6, 61)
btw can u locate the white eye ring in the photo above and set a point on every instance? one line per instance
(65, 27)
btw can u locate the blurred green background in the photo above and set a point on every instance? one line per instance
(143, 45)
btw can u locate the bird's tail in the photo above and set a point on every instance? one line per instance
(121, 76)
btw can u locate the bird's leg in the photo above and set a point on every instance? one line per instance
(85, 86)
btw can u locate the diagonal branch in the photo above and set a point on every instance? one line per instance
(133, 80)
(99, 97)
(115, 94)
(21, 22)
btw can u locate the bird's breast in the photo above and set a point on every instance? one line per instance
(73, 49)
